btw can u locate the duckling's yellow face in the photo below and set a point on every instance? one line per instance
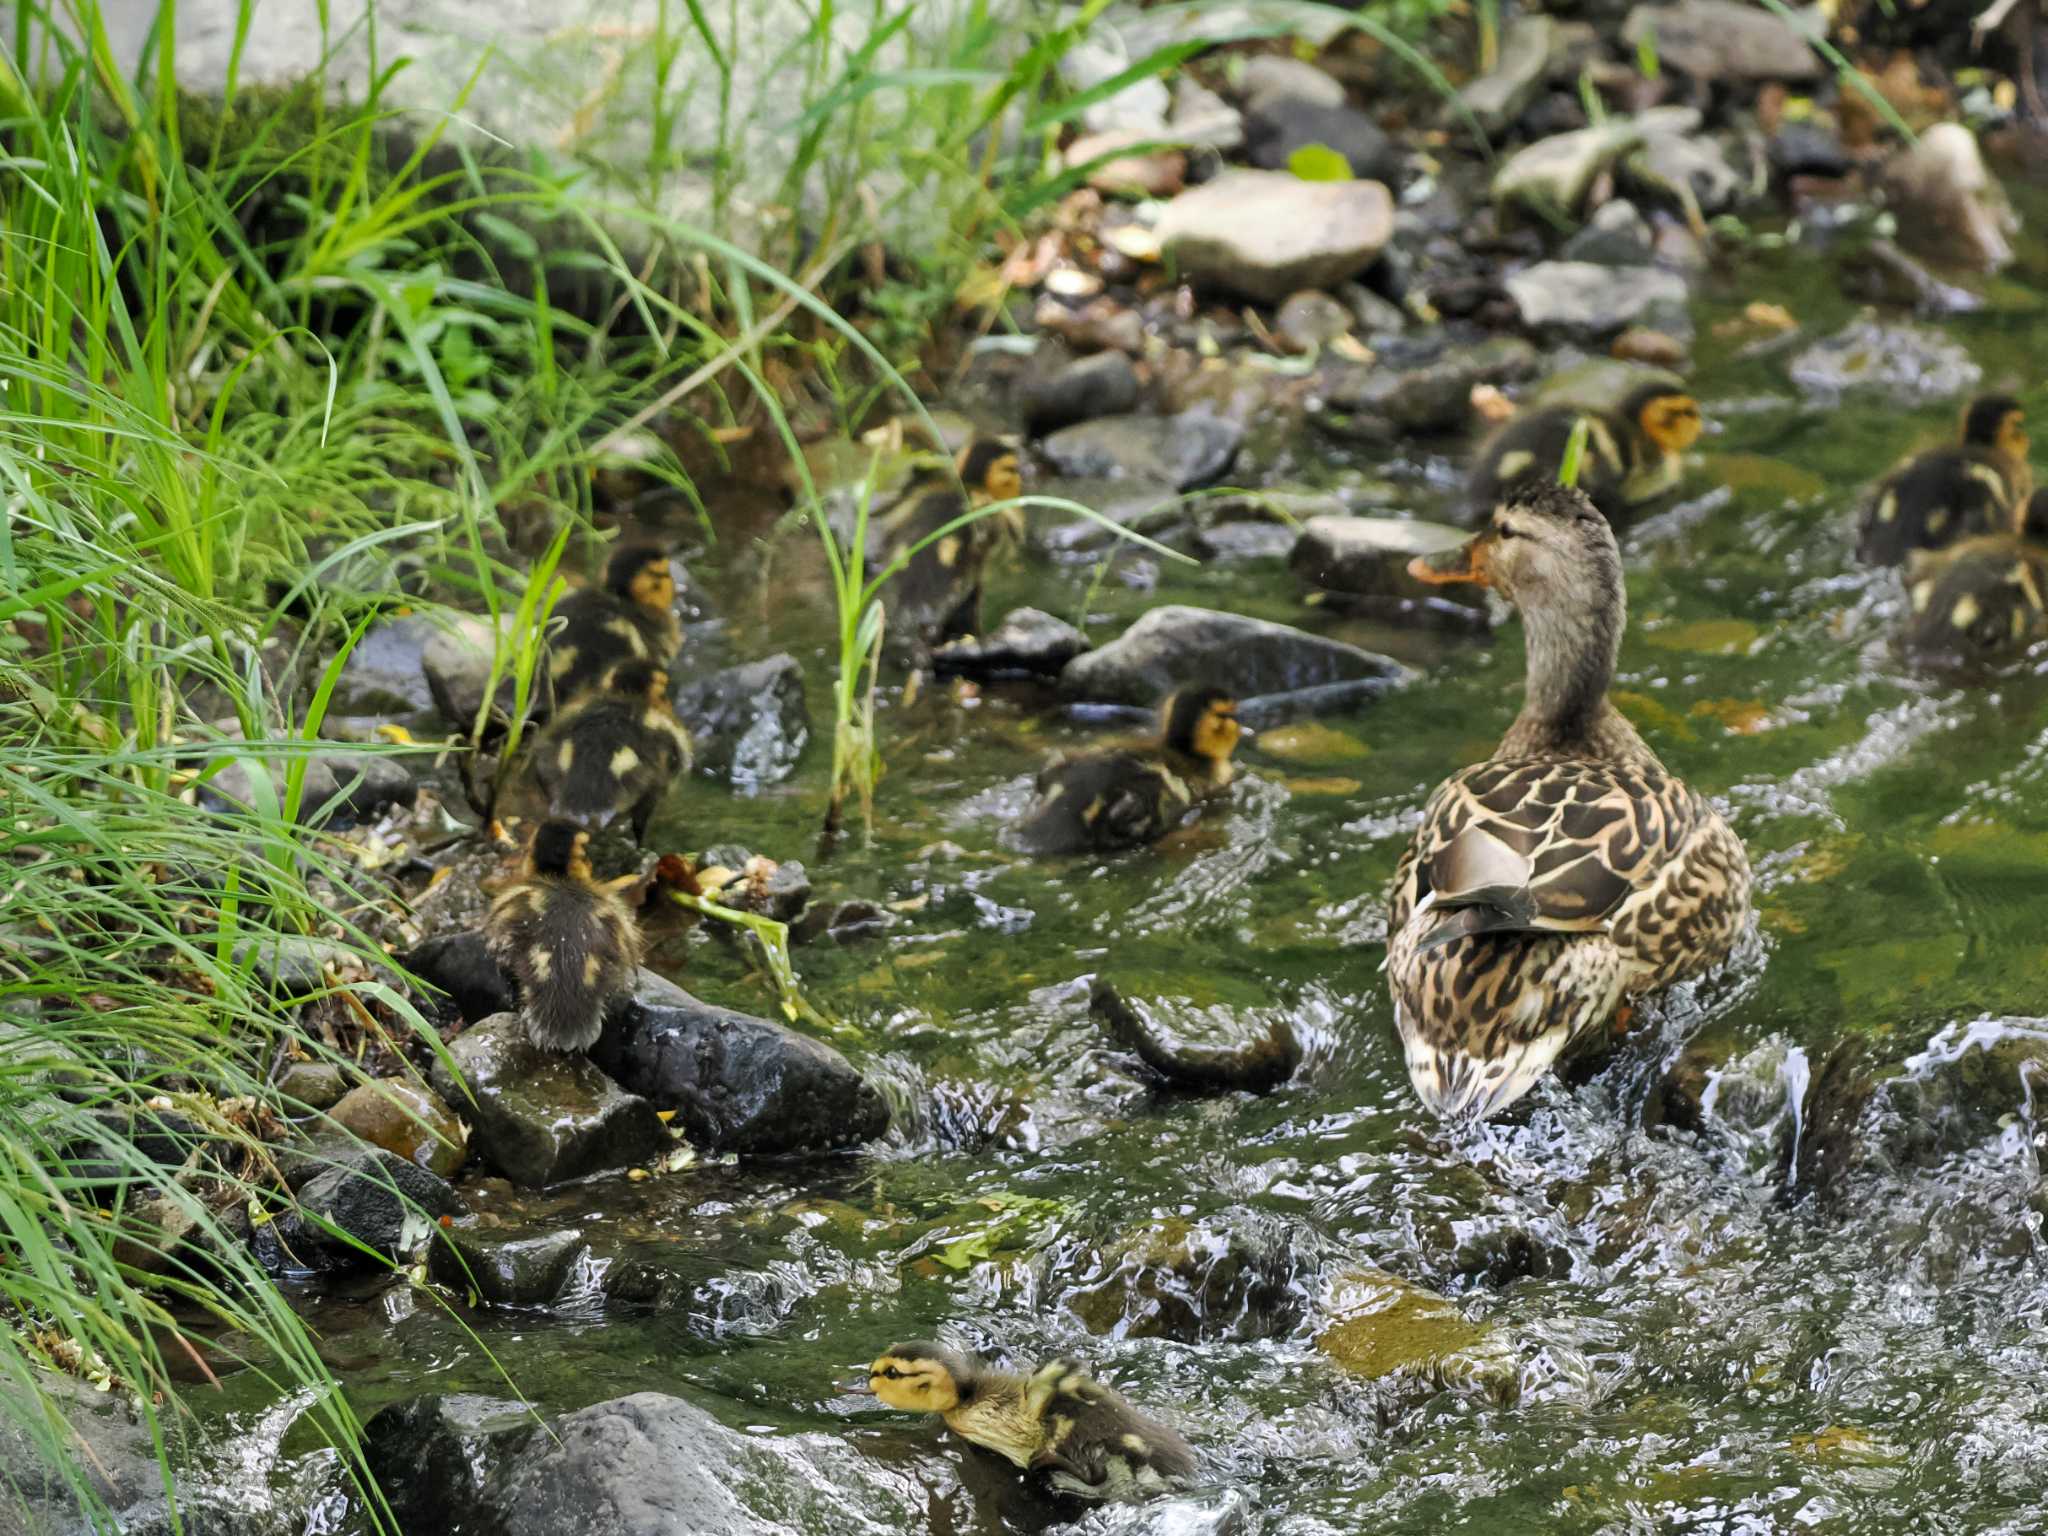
(579, 857)
(914, 1384)
(1672, 422)
(653, 585)
(1217, 731)
(2012, 436)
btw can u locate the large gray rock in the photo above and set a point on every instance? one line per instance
(1617, 235)
(737, 1083)
(1176, 647)
(469, 983)
(539, 1118)
(114, 1448)
(1383, 405)
(382, 675)
(457, 664)
(405, 1119)
(1552, 176)
(1911, 363)
(1266, 234)
(1950, 207)
(339, 787)
(1724, 40)
(748, 724)
(645, 1465)
(1190, 449)
(1271, 77)
(1275, 130)
(1577, 301)
(1369, 556)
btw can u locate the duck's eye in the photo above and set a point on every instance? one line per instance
(1502, 530)
(893, 1374)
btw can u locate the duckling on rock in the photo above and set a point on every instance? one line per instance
(1983, 600)
(936, 596)
(1950, 494)
(570, 943)
(1060, 1423)
(1570, 871)
(630, 617)
(1633, 454)
(1105, 800)
(614, 750)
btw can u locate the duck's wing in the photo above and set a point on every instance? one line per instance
(1096, 1443)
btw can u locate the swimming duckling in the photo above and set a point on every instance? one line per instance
(1950, 494)
(1983, 600)
(1571, 871)
(936, 596)
(631, 617)
(569, 942)
(1059, 1422)
(1105, 800)
(1632, 455)
(614, 750)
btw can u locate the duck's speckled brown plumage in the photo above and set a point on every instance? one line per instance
(614, 751)
(1568, 872)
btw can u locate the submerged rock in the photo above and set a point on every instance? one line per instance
(1384, 1326)
(1724, 40)
(1175, 647)
(737, 1083)
(748, 724)
(1205, 1047)
(1382, 405)
(1241, 543)
(1274, 130)
(505, 1269)
(1909, 362)
(644, 1465)
(539, 1118)
(1577, 301)
(376, 1198)
(405, 1119)
(1028, 643)
(1266, 234)
(1950, 207)
(1190, 449)
(1103, 385)
(1237, 1276)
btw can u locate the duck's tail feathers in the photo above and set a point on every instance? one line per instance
(1457, 1086)
(563, 1015)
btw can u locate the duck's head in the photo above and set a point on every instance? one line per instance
(1996, 422)
(989, 469)
(638, 680)
(1667, 416)
(1201, 723)
(922, 1377)
(640, 574)
(562, 849)
(1546, 546)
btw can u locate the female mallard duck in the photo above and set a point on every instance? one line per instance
(570, 943)
(615, 750)
(1567, 873)
(1954, 493)
(1633, 454)
(1102, 801)
(936, 596)
(1982, 600)
(631, 617)
(1059, 1422)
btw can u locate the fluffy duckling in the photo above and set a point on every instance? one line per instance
(614, 750)
(1954, 493)
(630, 617)
(1105, 800)
(1060, 1423)
(936, 596)
(1633, 454)
(1570, 871)
(1983, 600)
(569, 942)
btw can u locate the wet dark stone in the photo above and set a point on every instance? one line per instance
(1175, 646)
(737, 1083)
(1235, 1276)
(1208, 1047)
(1028, 643)
(1724, 40)
(635, 1466)
(505, 1269)
(539, 1118)
(1369, 556)
(748, 724)
(313, 1084)
(289, 964)
(1310, 320)
(1878, 272)
(406, 1119)
(384, 1202)
(1384, 404)
(116, 1453)
(1103, 385)
(459, 966)
(1808, 149)
(1190, 449)
(163, 1138)
(382, 675)
(1278, 126)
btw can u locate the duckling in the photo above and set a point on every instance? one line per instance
(936, 596)
(1059, 1422)
(630, 617)
(1570, 871)
(1953, 493)
(1632, 456)
(1105, 800)
(569, 942)
(614, 750)
(1983, 600)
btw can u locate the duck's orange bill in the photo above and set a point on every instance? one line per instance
(1467, 562)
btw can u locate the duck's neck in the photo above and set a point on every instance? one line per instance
(1196, 771)
(1572, 653)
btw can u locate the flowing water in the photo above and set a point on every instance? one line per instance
(1669, 1337)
